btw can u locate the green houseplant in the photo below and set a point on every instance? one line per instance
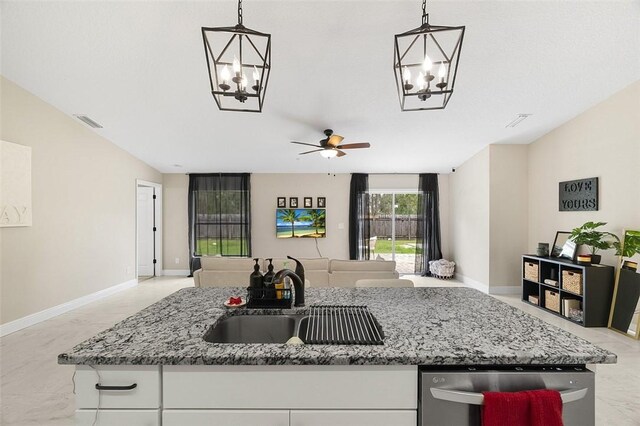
(629, 247)
(589, 235)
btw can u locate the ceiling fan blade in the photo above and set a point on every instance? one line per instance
(334, 140)
(354, 145)
(304, 143)
(340, 153)
(309, 152)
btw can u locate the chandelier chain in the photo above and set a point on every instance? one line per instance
(240, 12)
(425, 16)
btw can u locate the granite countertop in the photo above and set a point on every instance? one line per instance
(422, 326)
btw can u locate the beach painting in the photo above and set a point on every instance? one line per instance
(301, 223)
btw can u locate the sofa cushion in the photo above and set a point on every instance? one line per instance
(215, 263)
(362, 265)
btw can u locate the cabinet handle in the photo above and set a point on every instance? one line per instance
(116, 388)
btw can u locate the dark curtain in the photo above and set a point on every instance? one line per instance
(428, 224)
(219, 215)
(359, 217)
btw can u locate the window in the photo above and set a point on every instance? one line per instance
(220, 214)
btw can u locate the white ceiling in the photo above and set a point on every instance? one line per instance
(138, 68)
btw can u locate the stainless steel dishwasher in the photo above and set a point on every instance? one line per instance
(450, 396)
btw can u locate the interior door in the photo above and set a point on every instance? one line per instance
(146, 239)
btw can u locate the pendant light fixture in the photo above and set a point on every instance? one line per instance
(425, 64)
(239, 62)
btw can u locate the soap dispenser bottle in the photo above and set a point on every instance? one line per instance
(255, 279)
(268, 276)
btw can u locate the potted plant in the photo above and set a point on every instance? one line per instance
(629, 247)
(589, 235)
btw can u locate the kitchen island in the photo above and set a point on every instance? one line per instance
(187, 380)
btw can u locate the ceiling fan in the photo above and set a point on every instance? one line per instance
(331, 146)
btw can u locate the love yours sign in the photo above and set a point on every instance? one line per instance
(579, 195)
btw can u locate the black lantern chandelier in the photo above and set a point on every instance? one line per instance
(234, 54)
(426, 63)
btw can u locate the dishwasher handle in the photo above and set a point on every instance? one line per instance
(475, 398)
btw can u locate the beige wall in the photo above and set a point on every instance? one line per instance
(602, 142)
(84, 195)
(175, 222)
(469, 213)
(265, 188)
(508, 192)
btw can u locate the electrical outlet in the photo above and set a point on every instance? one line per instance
(177, 260)
(341, 225)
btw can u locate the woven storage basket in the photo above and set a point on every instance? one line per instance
(531, 271)
(552, 300)
(572, 281)
(443, 269)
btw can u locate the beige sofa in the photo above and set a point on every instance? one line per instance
(345, 273)
(319, 272)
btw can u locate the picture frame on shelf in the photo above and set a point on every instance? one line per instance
(308, 202)
(322, 202)
(282, 202)
(563, 247)
(293, 202)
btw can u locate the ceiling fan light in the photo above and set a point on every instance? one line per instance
(328, 153)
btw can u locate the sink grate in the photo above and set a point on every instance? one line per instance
(343, 325)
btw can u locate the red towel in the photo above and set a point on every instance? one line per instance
(505, 409)
(527, 408)
(546, 407)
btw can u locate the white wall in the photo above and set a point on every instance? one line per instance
(83, 237)
(469, 219)
(508, 192)
(602, 142)
(175, 222)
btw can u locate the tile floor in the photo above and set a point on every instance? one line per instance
(35, 390)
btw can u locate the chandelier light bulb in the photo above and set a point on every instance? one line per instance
(243, 82)
(427, 64)
(406, 75)
(256, 75)
(329, 153)
(442, 72)
(224, 75)
(236, 65)
(420, 81)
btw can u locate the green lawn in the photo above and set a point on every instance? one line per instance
(213, 247)
(402, 246)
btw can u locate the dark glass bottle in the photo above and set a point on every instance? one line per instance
(268, 276)
(255, 279)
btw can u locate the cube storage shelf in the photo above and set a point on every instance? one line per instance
(597, 287)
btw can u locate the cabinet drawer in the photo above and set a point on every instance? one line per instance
(354, 418)
(118, 417)
(146, 393)
(393, 387)
(225, 417)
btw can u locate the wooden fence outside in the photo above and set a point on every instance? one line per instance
(406, 226)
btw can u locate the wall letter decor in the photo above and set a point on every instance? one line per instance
(579, 195)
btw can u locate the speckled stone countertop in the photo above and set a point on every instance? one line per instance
(422, 326)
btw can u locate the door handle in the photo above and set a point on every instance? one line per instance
(475, 398)
(116, 388)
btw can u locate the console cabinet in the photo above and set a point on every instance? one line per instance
(593, 295)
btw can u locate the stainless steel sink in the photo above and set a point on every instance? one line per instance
(254, 329)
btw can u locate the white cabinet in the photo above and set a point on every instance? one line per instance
(145, 393)
(117, 417)
(225, 417)
(353, 418)
(291, 387)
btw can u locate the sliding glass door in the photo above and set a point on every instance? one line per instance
(393, 228)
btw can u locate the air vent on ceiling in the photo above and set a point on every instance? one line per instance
(86, 120)
(519, 119)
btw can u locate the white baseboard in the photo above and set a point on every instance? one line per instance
(54, 311)
(505, 289)
(176, 272)
(500, 290)
(472, 283)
